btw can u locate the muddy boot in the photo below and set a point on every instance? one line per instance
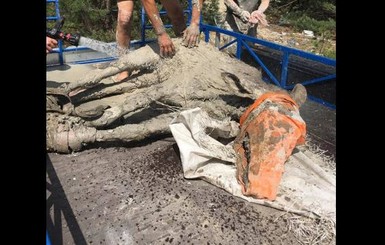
(299, 94)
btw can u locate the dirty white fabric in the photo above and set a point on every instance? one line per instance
(306, 188)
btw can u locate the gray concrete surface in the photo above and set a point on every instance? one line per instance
(138, 196)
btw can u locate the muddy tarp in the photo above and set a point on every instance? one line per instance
(308, 186)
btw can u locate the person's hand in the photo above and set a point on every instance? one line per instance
(166, 46)
(244, 16)
(191, 36)
(50, 44)
(258, 16)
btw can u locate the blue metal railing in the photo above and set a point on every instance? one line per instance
(242, 41)
(55, 18)
(47, 240)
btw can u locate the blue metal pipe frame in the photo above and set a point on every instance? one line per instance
(242, 41)
(47, 240)
(56, 17)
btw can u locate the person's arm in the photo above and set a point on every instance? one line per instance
(191, 34)
(50, 44)
(166, 46)
(263, 6)
(258, 16)
(238, 11)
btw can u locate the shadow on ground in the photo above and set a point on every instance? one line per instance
(59, 208)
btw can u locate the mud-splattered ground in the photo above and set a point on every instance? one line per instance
(138, 196)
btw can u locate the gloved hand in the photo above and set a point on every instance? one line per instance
(257, 16)
(167, 48)
(244, 16)
(191, 36)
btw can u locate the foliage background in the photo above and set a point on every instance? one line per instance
(97, 18)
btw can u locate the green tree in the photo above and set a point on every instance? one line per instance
(97, 18)
(316, 9)
(92, 18)
(318, 16)
(210, 10)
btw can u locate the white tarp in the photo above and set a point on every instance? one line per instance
(307, 187)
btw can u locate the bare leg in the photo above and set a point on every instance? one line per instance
(123, 30)
(175, 13)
